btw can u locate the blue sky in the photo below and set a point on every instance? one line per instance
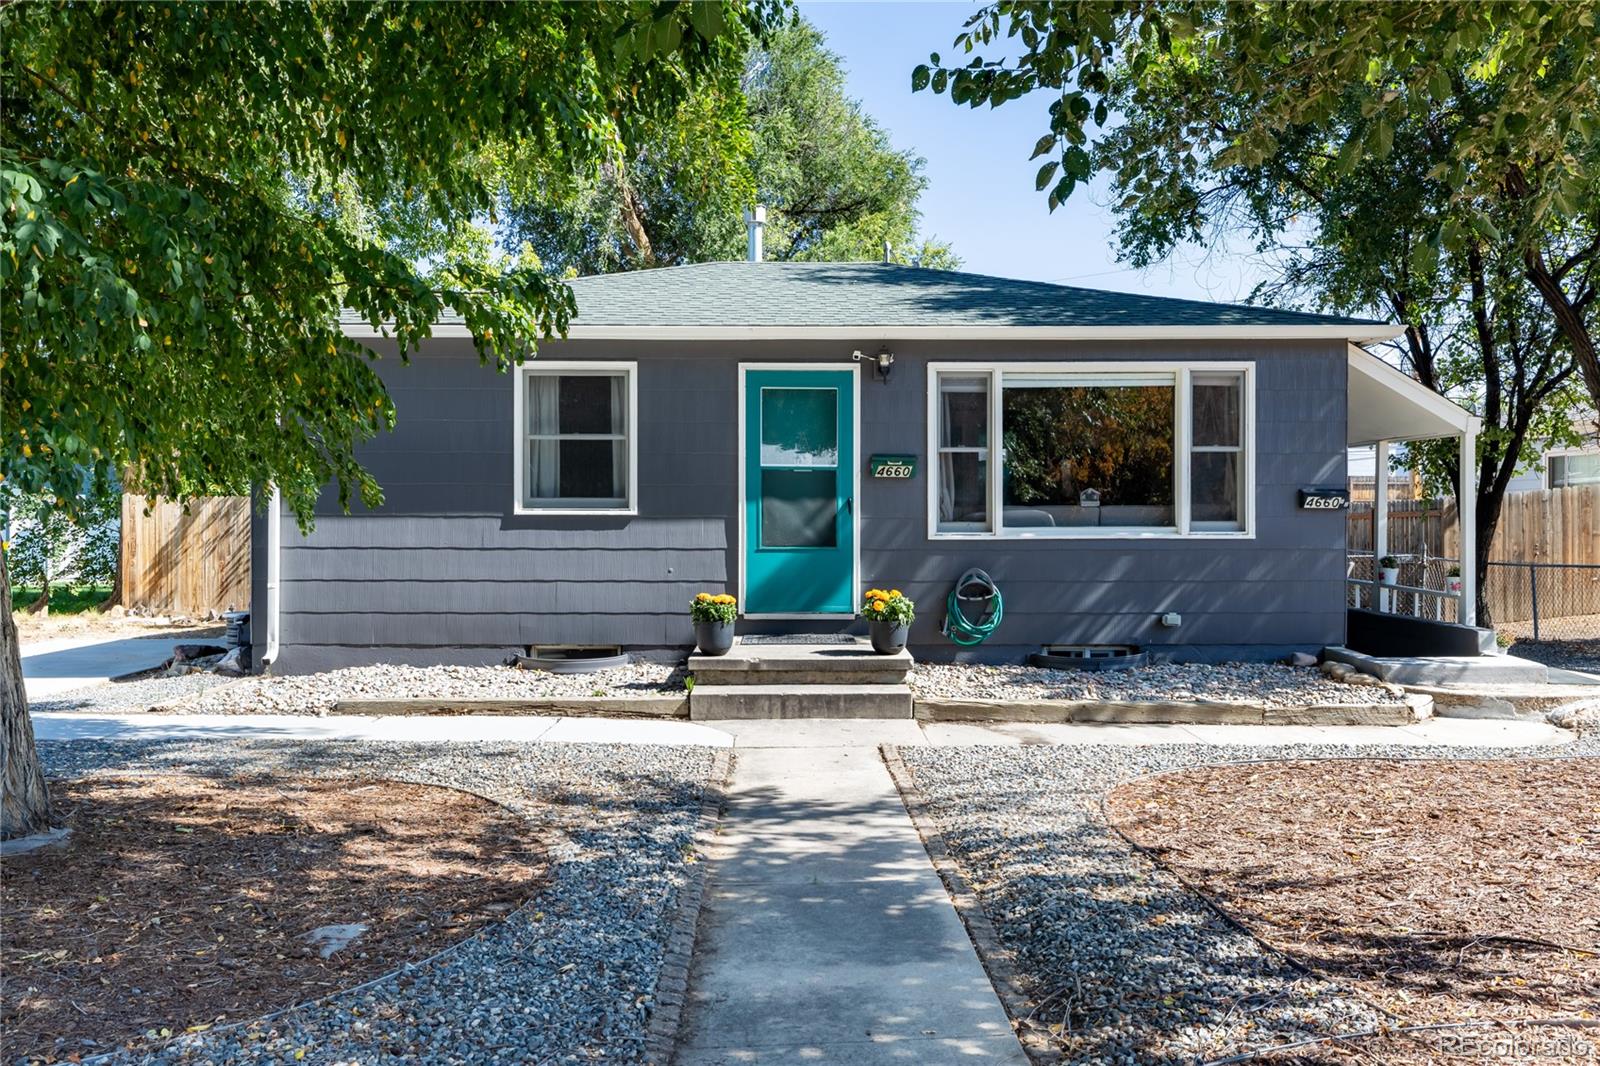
(980, 196)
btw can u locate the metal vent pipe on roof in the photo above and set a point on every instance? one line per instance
(755, 221)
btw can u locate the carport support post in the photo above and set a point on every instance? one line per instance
(1380, 520)
(1467, 516)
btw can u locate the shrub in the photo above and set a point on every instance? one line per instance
(879, 605)
(708, 608)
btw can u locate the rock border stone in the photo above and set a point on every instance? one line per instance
(672, 986)
(998, 961)
(1415, 708)
(674, 706)
(34, 841)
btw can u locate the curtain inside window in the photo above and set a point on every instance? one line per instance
(544, 456)
(619, 426)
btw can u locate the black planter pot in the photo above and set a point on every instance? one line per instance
(888, 637)
(713, 638)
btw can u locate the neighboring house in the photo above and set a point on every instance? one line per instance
(1108, 458)
(1559, 467)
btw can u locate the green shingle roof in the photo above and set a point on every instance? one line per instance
(733, 296)
(883, 294)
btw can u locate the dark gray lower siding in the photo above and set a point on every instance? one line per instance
(445, 572)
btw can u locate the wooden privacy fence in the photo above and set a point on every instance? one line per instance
(1548, 528)
(1416, 527)
(1557, 529)
(178, 563)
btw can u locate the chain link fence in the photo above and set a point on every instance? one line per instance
(1545, 601)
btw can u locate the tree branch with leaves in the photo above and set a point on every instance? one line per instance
(193, 192)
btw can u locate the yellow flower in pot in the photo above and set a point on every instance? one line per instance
(713, 617)
(889, 615)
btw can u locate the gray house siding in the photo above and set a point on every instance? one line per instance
(445, 571)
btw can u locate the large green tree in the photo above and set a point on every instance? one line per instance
(790, 137)
(1380, 155)
(191, 192)
(1509, 92)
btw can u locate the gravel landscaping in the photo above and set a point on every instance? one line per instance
(1121, 963)
(1269, 684)
(1272, 684)
(567, 978)
(1577, 654)
(317, 693)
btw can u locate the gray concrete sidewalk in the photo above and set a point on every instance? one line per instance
(826, 934)
(60, 664)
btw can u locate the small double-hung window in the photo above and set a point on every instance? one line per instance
(576, 438)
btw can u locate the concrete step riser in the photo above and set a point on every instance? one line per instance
(705, 676)
(802, 701)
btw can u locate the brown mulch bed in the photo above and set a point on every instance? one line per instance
(181, 902)
(1441, 891)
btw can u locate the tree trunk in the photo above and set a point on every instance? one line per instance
(38, 606)
(644, 254)
(1488, 521)
(1570, 320)
(24, 801)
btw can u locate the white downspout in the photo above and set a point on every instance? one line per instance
(274, 543)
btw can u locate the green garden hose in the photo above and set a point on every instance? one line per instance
(974, 586)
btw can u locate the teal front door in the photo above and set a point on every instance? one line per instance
(799, 483)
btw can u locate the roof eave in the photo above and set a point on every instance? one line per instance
(1354, 332)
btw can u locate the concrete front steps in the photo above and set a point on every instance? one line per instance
(846, 680)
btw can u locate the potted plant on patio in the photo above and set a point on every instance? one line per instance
(713, 617)
(889, 615)
(1389, 570)
(1452, 580)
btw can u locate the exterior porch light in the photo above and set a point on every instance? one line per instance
(884, 361)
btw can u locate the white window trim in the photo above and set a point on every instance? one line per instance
(1564, 453)
(520, 436)
(1183, 445)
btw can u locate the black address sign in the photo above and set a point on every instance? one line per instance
(1321, 499)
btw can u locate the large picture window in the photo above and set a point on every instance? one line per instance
(576, 438)
(1079, 450)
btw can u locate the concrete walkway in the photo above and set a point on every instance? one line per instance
(826, 935)
(61, 664)
(868, 733)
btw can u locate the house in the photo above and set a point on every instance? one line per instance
(1559, 467)
(1128, 468)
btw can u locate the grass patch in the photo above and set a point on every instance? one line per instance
(75, 599)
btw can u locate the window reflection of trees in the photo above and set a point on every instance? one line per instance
(1062, 440)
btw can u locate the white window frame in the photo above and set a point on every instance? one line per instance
(1563, 453)
(520, 436)
(1183, 445)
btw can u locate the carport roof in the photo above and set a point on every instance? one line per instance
(1385, 404)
